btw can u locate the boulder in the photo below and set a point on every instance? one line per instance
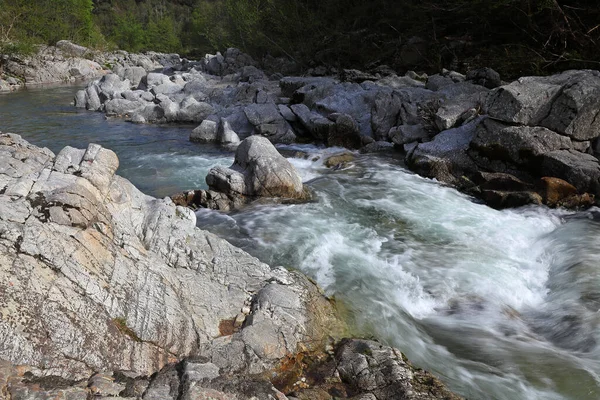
(579, 169)
(404, 134)
(226, 134)
(207, 132)
(382, 373)
(575, 111)
(567, 103)
(257, 171)
(520, 145)
(485, 77)
(72, 49)
(445, 157)
(345, 132)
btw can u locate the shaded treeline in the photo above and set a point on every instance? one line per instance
(515, 36)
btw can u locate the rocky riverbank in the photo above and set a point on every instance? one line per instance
(110, 293)
(68, 62)
(508, 144)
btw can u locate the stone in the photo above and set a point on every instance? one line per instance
(485, 77)
(227, 135)
(445, 157)
(257, 171)
(250, 73)
(377, 147)
(520, 145)
(579, 169)
(345, 132)
(206, 132)
(554, 190)
(575, 111)
(191, 110)
(404, 134)
(339, 160)
(382, 372)
(385, 113)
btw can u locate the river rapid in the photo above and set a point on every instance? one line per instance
(499, 304)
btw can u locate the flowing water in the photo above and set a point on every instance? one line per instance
(499, 304)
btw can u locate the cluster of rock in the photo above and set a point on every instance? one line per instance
(258, 171)
(107, 292)
(530, 141)
(68, 62)
(356, 369)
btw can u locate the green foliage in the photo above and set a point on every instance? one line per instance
(513, 36)
(24, 22)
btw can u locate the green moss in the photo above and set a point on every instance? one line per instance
(121, 324)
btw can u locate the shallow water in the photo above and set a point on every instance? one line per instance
(500, 304)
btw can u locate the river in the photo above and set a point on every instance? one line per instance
(499, 304)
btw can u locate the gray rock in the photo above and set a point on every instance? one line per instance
(520, 145)
(485, 77)
(315, 124)
(92, 101)
(191, 110)
(579, 169)
(376, 147)
(385, 113)
(576, 109)
(227, 135)
(258, 171)
(290, 84)
(526, 101)
(250, 73)
(345, 133)
(445, 157)
(404, 134)
(206, 132)
(381, 371)
(133, 74)
(123, 107)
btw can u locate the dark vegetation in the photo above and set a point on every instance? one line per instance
(514, 36)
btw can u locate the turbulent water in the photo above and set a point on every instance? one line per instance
(499, 304)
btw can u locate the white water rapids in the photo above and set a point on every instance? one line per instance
(499, 304)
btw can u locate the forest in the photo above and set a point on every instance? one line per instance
(514, 36)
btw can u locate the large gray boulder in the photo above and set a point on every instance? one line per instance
(519, 145)
(257, 171)
(579, 169)
(96, 276)
(567, 103)
(445, 157)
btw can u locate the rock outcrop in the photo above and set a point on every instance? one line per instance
(535, 130)
(69, 62)
(108, 293)
(97, 276)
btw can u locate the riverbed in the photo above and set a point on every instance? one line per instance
(499, 304)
